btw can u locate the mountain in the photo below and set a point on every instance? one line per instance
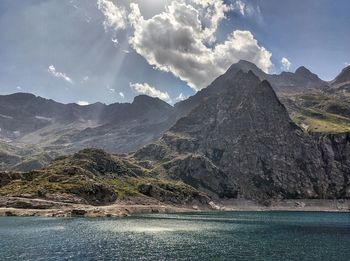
(342, 81)
(237, 143)
(37, 130)
(34, 130)
(286, 82)
(242, 142)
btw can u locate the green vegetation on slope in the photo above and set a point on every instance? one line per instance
(319, 111)
(97, 178)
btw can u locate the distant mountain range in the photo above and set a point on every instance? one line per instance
(234, 139)
(34, 130)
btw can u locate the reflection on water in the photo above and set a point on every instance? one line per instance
(199, 236)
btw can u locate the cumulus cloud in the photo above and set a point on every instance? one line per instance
(286, 64)
(145, 88)
(83, 103)
(181, 40)
(115, 15)
(61, 75)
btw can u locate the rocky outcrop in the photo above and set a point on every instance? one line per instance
(173, 194)
(95, 177)
(241, 142)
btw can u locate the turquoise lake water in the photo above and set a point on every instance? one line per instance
(196, 236)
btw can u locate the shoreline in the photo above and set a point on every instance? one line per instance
(25, 207)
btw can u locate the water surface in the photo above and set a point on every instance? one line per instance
(199, 236)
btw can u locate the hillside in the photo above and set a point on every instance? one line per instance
(38, 130)
(240, 143)
(245, 141)
(94, 177)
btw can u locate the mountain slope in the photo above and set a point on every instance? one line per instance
(45, 128)
(342, 81)
(39, 130)
(247, 137)
(286, 82)
(95, 177)
(239, 143)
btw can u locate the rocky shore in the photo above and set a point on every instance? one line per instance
(15, 206)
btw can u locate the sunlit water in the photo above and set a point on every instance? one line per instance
(204, 236)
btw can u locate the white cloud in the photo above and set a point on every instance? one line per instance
(53, 72)
(111, 90)
(286, 64)
(115, 41)
(19, 88)
(122, 95)
(83, 103)
(181, 97)
(145, 88)
(346, 64)
(240, 6)
(115, 15)
(181, 40)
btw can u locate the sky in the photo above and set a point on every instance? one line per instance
(87, 51)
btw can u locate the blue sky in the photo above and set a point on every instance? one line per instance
(109, 51)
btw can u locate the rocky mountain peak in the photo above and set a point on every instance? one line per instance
(145, 100)
(242, 140)
(343, 78)
(305, 73)
(302, 71)
(346, 70)
(245, 66)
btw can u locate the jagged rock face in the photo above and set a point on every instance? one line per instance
(199, 172)
(285, 82)
(253, 148)
(335, 151)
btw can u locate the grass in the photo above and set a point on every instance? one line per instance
(91, 174)
(318, 111)
(320, 121)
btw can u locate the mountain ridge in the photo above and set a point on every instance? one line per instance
(40, 129)
(237, 144)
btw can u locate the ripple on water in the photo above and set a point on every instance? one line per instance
(204, 236)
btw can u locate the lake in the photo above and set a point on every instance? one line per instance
(189, 236)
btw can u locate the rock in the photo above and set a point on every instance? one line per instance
(242, 142)
(300, 204)
(78, 212)
(10, 214)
